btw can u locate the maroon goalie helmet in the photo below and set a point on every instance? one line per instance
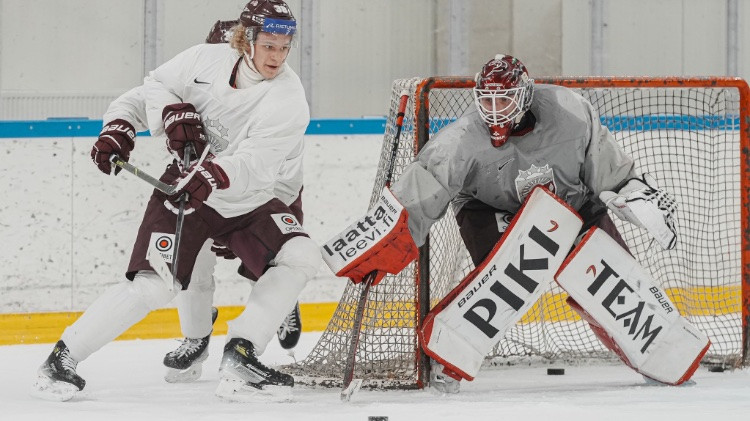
(272, 16)
(502, 94)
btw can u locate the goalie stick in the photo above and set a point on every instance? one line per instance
(350, 387)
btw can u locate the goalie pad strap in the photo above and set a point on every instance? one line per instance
(629, 312)
(475, 315)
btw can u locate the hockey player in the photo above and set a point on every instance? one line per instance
(256, 114)
(184, 364)
(196, 315)
(485, 164)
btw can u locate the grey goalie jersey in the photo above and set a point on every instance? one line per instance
(568, 151)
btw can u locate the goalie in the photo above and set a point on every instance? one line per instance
(485, 165)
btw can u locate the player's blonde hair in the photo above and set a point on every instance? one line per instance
(239, 40)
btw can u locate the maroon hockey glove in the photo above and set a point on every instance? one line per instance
(223, 251)
(116, 137)
(207, 178)
(182, 124)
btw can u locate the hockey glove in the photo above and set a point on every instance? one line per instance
(206, 178)
(182, 124)
(378, 242)
(117, 137)
(642, 203)
(223, 251)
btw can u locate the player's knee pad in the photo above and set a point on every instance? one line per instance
(152, 289)
(302, 254)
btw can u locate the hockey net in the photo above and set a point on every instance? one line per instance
(691, 134)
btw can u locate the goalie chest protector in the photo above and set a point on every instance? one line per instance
(622, 298)
(475, 315)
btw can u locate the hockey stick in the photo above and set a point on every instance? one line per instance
(350, 386)
(187, 152)
(165, 188)
(154, 182)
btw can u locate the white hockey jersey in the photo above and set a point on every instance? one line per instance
(255, 133)
(131, 107)
(568, 151)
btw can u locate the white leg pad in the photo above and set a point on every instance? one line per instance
(276, 292)
(463, 327)
(629, 313)
(121, 306)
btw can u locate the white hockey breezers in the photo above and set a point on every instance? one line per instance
(629, 312)
(475, 315)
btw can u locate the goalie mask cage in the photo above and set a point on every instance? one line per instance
(691, 134)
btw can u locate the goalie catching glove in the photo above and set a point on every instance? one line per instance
(202, 180)
(640, 202)
(378, 242)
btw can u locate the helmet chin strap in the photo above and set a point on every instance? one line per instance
(252, 52)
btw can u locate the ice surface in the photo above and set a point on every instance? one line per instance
(125, 382)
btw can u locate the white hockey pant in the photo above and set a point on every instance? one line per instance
(121, 306)
(276, 292)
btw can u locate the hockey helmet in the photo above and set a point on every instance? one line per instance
(503, 91)
(273, 16)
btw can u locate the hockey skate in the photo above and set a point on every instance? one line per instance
(57, 378)
(185, 364)
(290, 329)
(442, 382)
(242, 378)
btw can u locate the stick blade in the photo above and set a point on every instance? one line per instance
(352, 389)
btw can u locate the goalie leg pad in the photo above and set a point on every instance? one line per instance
(629, 312)
(475, 315)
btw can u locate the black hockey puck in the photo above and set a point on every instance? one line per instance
(716, 369)
(555, 371)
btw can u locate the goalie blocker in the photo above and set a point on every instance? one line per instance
(378, 242)
(475, 315)
(630, 315)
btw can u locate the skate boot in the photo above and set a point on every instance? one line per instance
(441, 381)
(57, 378)
(242, 378)
(290, 329)
(185, 364)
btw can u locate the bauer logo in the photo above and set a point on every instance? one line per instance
(362, 235)
(287, 223)
(163, 244)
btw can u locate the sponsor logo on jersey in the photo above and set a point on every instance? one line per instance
(625, 306)
(534, 176)
(163, 244)
(217, 134)
(287, 223)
